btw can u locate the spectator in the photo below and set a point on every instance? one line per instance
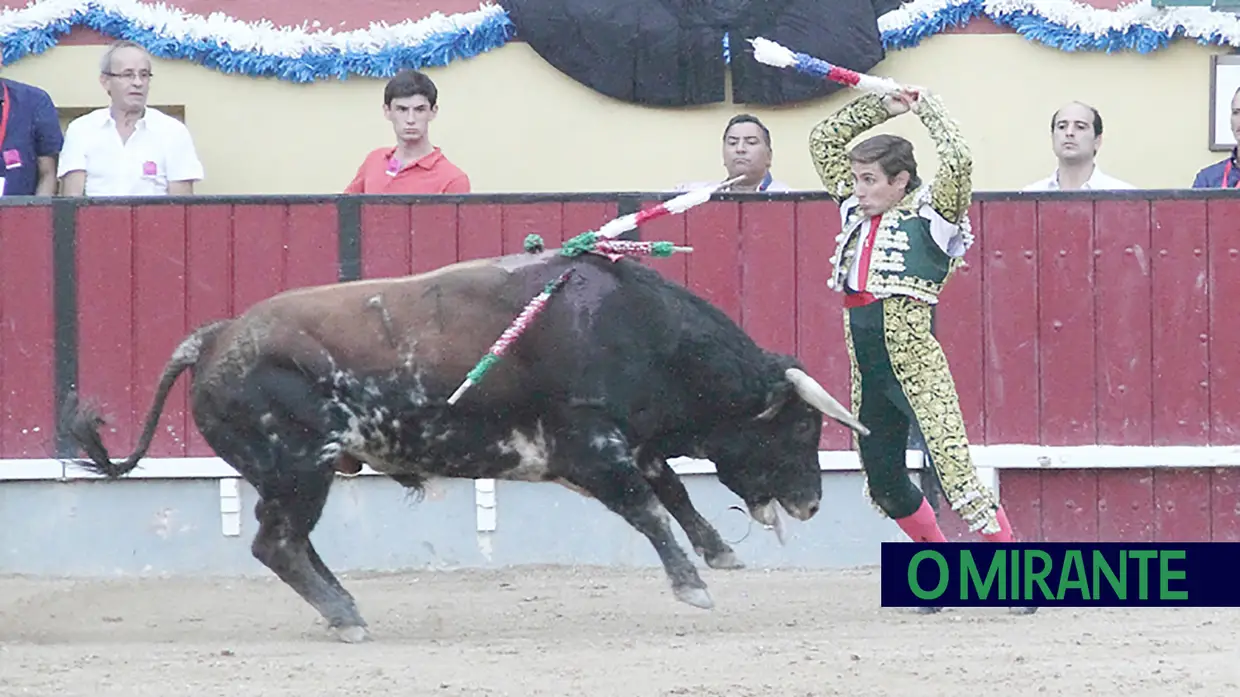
(414, 165)
(127, 148)
(30, 140)
(1076, 137)
(746, 152)
(1224, 174)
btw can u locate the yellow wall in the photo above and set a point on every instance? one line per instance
(516, 124)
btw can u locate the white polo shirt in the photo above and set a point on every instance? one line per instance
(1098, 180)
(159, 151)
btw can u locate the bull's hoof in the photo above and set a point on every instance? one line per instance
(351, 635)
(1022, 610)
(724, 560)
(697, 597)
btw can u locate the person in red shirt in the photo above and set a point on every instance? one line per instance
(414, 165)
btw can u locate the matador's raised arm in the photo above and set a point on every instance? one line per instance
(828, 142)
(951, 192)
(952, 187)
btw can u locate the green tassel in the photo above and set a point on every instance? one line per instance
(663, 249)
(489, 360)
(534, 243)
(580, 244)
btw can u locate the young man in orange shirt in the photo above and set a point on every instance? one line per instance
(414, 165)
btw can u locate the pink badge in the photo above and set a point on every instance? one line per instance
(12, 159)
(393, 167)
(149, 169)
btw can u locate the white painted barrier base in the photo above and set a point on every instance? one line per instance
(988, 458)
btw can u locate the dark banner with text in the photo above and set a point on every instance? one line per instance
(1063, 574)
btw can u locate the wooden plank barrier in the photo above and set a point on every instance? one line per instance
(1079, 322)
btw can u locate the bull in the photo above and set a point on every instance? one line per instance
(623, 370)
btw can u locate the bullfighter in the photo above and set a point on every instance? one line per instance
(901, 240)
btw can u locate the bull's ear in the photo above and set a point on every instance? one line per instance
(776, 398)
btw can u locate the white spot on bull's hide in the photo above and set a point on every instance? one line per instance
(329, 453)
(652, 467)
(433, 433)
(188, 350)
(417, 394)
(659, 511)
(532, 453)
(606, 442)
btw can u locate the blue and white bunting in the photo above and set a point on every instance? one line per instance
(1064, 24)
(306, 53)
(260, 49)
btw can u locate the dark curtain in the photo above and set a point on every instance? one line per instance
(671, 52)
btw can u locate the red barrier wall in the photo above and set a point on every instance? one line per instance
(1078, 320)
(26, 332)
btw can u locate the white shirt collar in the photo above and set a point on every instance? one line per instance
(110, 122)
(1097, 180)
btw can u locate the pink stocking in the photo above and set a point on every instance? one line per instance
(922, 526)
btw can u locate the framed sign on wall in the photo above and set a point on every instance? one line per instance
(1224, 81)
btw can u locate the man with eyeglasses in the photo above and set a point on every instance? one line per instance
(127, 148)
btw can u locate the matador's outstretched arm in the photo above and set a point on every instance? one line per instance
(828, 141)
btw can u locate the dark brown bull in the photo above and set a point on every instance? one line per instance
(622, 370)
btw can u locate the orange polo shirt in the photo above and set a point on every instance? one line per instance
(433, 174)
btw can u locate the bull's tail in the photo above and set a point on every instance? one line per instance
(81, 422)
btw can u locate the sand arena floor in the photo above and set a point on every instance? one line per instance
(588, 631)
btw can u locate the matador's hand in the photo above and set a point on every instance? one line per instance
(916, 94)
(904, 100)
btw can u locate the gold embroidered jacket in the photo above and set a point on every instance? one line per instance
(922, 239)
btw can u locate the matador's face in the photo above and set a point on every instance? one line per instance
(876, 192)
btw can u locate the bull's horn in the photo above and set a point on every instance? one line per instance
(768, 515)
(817, 397)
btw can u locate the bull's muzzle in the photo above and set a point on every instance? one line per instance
(817, 397)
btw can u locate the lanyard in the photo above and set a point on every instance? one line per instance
(766, 181)
(1226, 170)
(4, 115)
